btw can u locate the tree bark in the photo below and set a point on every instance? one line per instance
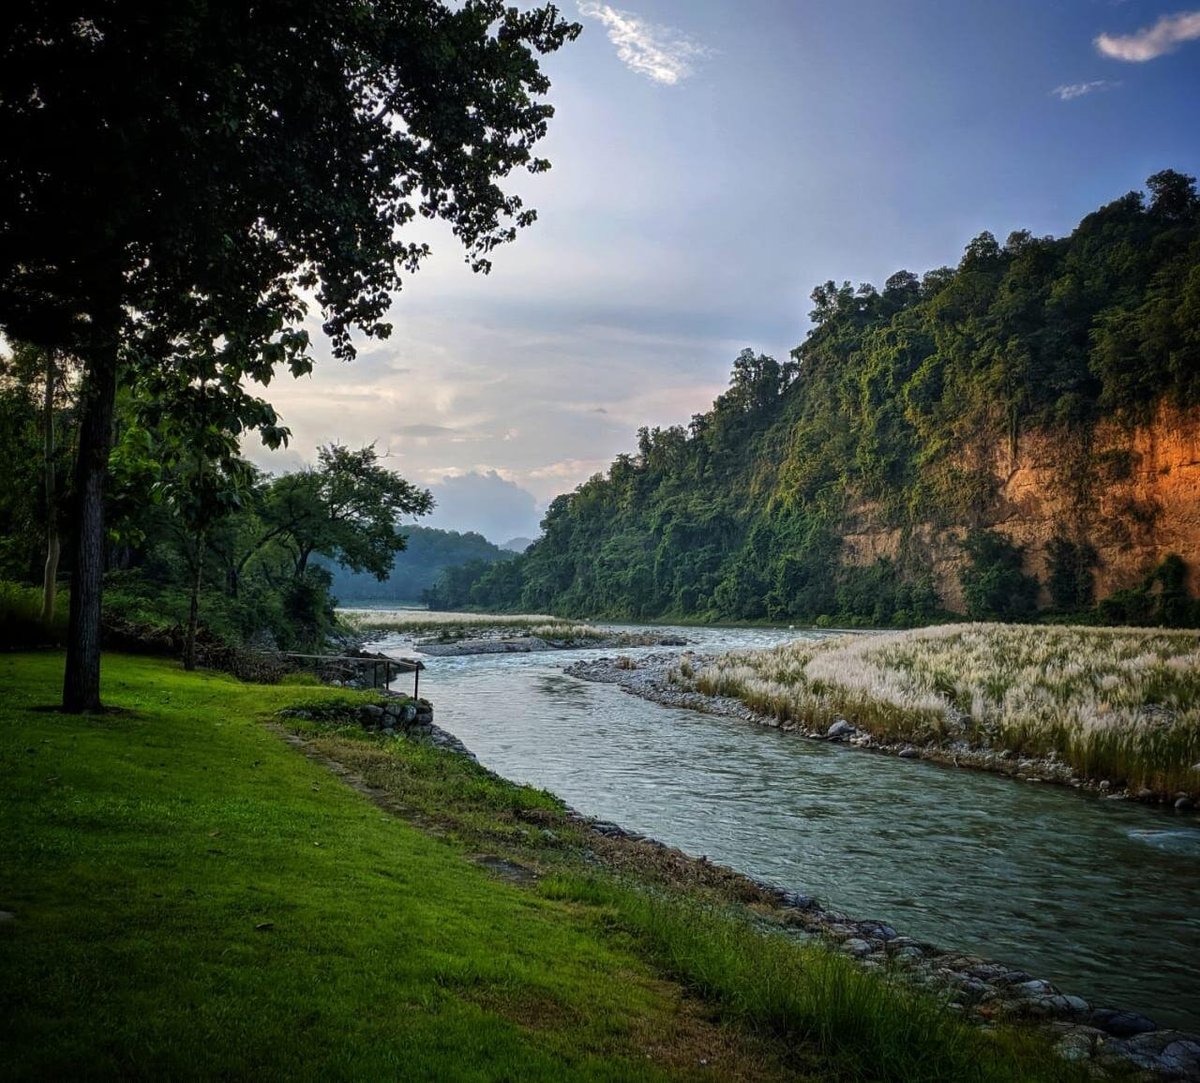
(189, 645)
(81, 682)
(50, 574)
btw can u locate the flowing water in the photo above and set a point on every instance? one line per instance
(1101, 897)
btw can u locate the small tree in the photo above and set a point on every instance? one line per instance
(347, 509)
(993, 581)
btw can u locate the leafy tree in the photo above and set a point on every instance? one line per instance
(240, 160)
(993, 581)
(347, 508)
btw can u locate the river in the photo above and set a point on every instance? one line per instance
(1102, 897)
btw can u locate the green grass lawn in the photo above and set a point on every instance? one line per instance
(194, 898)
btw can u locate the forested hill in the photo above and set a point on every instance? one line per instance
(1015, 433)
(427, 553)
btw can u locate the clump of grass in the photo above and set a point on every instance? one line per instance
(561, 630)
(871, 1025)
(625, 662)
(417, 621)
(1115, 703)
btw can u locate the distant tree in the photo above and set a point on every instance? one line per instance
(347, 508)
(177, 180)
(31, 366)
(993, 580)
(1172, 194)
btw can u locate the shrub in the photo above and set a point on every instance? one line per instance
(995, 587)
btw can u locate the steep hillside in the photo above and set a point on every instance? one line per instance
(1017, 433)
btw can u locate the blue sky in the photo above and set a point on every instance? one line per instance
(714, 160)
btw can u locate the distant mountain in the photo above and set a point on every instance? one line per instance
(418, 566)
(517, 545)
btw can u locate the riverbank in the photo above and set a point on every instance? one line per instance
(1115, 710)
(186, 896)
(544, 846)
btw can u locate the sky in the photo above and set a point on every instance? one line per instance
(713, 161)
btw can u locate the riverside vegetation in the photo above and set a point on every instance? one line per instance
(188, 896)
(1113, 704)
(893, 413)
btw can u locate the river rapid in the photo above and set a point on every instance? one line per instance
(1102, 897)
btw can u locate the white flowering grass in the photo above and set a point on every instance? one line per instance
(430, 620)
(1116, 703)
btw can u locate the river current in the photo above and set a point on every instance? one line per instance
(1102, 897)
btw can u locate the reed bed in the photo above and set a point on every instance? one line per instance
(1114, 703)
(430, 620)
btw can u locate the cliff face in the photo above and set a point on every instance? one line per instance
(1133, 494)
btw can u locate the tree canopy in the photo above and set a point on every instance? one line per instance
(180, 183)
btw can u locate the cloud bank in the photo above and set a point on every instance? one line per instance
(1151, 42)
(485, 502)
(1071, 91)
(659, 53)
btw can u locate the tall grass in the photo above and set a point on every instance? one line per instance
(872, 1025)
(1114, 703)
(429, 620)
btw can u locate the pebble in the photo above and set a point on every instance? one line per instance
(857, 947)
(909, 753)
(841, 728)
(1184, 804)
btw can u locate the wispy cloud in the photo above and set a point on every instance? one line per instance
(1070, 91)
(1151, 42)
(661, 54)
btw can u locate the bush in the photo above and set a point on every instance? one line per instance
(1160, 600)
(995, 586)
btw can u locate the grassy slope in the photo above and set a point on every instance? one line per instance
(144, 851)
(141, 851)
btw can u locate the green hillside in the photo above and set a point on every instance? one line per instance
(894, 402)
(427, 553)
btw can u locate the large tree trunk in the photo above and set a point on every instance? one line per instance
(50, 575)
(189, 646)
(81, 683)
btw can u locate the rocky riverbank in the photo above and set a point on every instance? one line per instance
(650, 678)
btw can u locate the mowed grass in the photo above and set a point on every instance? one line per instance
(194, 899)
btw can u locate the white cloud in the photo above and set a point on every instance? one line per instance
(1151, 42)
(657, 52)
(1070, 91)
